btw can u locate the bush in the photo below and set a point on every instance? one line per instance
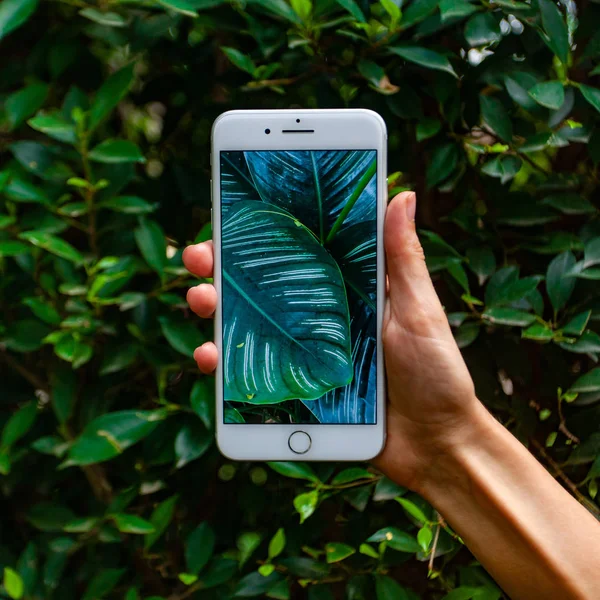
(111, 485)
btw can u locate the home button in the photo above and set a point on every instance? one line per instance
(299, 442)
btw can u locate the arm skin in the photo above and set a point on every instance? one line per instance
(527, 531)
(535, 539)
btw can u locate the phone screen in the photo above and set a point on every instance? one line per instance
(299, 295)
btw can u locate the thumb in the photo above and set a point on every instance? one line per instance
(412, 297)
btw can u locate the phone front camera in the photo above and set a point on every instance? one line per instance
(297, 120)
(267, 131)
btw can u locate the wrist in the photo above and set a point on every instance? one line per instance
(447, 468)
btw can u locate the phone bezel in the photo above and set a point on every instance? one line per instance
(334, 129)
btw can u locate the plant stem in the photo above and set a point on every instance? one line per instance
(89, 193)
(358, 190)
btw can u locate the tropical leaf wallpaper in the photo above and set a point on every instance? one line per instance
(299, 266)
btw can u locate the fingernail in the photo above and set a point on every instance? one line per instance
(411, 206)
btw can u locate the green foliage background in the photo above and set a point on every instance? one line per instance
(111, 484)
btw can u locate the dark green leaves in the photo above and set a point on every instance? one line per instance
(191, 443)
(295, 470)
(199, 548)
(24, 103)
(424, 57)
(558, 285)
(18, 424)
(181, 334)
(116, 151)
(152, 243)
(160, 519)
(590, 382)
(496, 117)
(13, 13)
(111, 434)
(240, 60)
(395, 538)
(12, 582)
(482, 29)
(352, 7)
(387, 588)
(132, 524)
(592, 95)
(443, 163)
(550, 94)
(111, 92)
(557, 36)
(53, 244)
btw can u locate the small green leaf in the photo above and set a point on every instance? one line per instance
(111, 434)
(353, 8)
(81, 525)
(430, 59)
(21, 190)
(14, 13)
(161, 517)
(456, 9)
(187, 578)
(116, 151)
(109, 19)
(444, 161)
(47, 516)
(558, 285)
(495, 116)
(386, 489)
(277, 544)
(396, 539)
(306, 504)
(103, 583)
(590, 382)
(569, 203)
(112, 91)
(424, 537)
(129, 205)
(19, 424)
(588, 343)
(466, 334)
(181, 334)
(266, 569)
(24, 103)
(199, 548)
(152, 243)
(54, 126)
(577, 324)
(53, 244)
(73, 350)
(592, 95)
(550, 94)
(247, 543)
(508, 316)
(412, 509)
(192, 441)
(482, 29)
(368, 550)
(387, 588)
(240, 60)
(350, 475)
(392, 9)
(417, 11)
(427, 128)
(42, 310)
(25, 335)
(132, 524)
(13, 584)
(482, 262)
(538, 332)
(336, 552)
(295, 470)
(557, 36)
(13, 248)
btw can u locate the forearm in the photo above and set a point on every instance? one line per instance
(525, 529)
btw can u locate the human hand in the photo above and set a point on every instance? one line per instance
(431, 398)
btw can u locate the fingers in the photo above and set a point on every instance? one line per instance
(413, 300)
(206, 357)
(198, 259)
(202, 299)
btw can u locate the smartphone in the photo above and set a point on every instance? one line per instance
(299, 198)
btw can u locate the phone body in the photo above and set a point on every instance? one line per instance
(299, 199)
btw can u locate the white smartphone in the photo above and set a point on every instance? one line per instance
(299, 198)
